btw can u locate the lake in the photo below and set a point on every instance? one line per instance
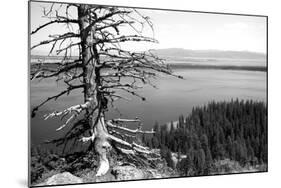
(172, 98)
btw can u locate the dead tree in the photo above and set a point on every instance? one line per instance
(102, 70)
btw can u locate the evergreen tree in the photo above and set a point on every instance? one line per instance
(236, 130)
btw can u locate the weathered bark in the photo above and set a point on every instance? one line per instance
(91, 77)
(102, 146)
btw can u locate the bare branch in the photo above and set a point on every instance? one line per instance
(55, 97)
(133, 146)
(122, 135)
(111, 125)
(56, 38)
(77, 109)
(66, 123)
(52, 22)
(62, 68)
(125, 120)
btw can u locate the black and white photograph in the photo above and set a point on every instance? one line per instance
(127, 93)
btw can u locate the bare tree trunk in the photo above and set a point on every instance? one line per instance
(91, 78)
(97, 28)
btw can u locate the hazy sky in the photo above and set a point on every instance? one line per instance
(174, 29)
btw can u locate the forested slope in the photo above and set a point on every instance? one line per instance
(235, 130)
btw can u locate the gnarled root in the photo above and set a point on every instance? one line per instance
(102, 143)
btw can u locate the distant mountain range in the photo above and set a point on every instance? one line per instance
(180, 58)
(180, 52)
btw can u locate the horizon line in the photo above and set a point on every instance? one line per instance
(46, 53)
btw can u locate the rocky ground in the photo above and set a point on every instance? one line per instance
(77, 168)
(117, 173)
(73, 169)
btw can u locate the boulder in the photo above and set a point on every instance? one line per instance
(62, 178)
(153, 174)
(127, 173)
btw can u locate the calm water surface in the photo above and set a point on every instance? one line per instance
(172, 98)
